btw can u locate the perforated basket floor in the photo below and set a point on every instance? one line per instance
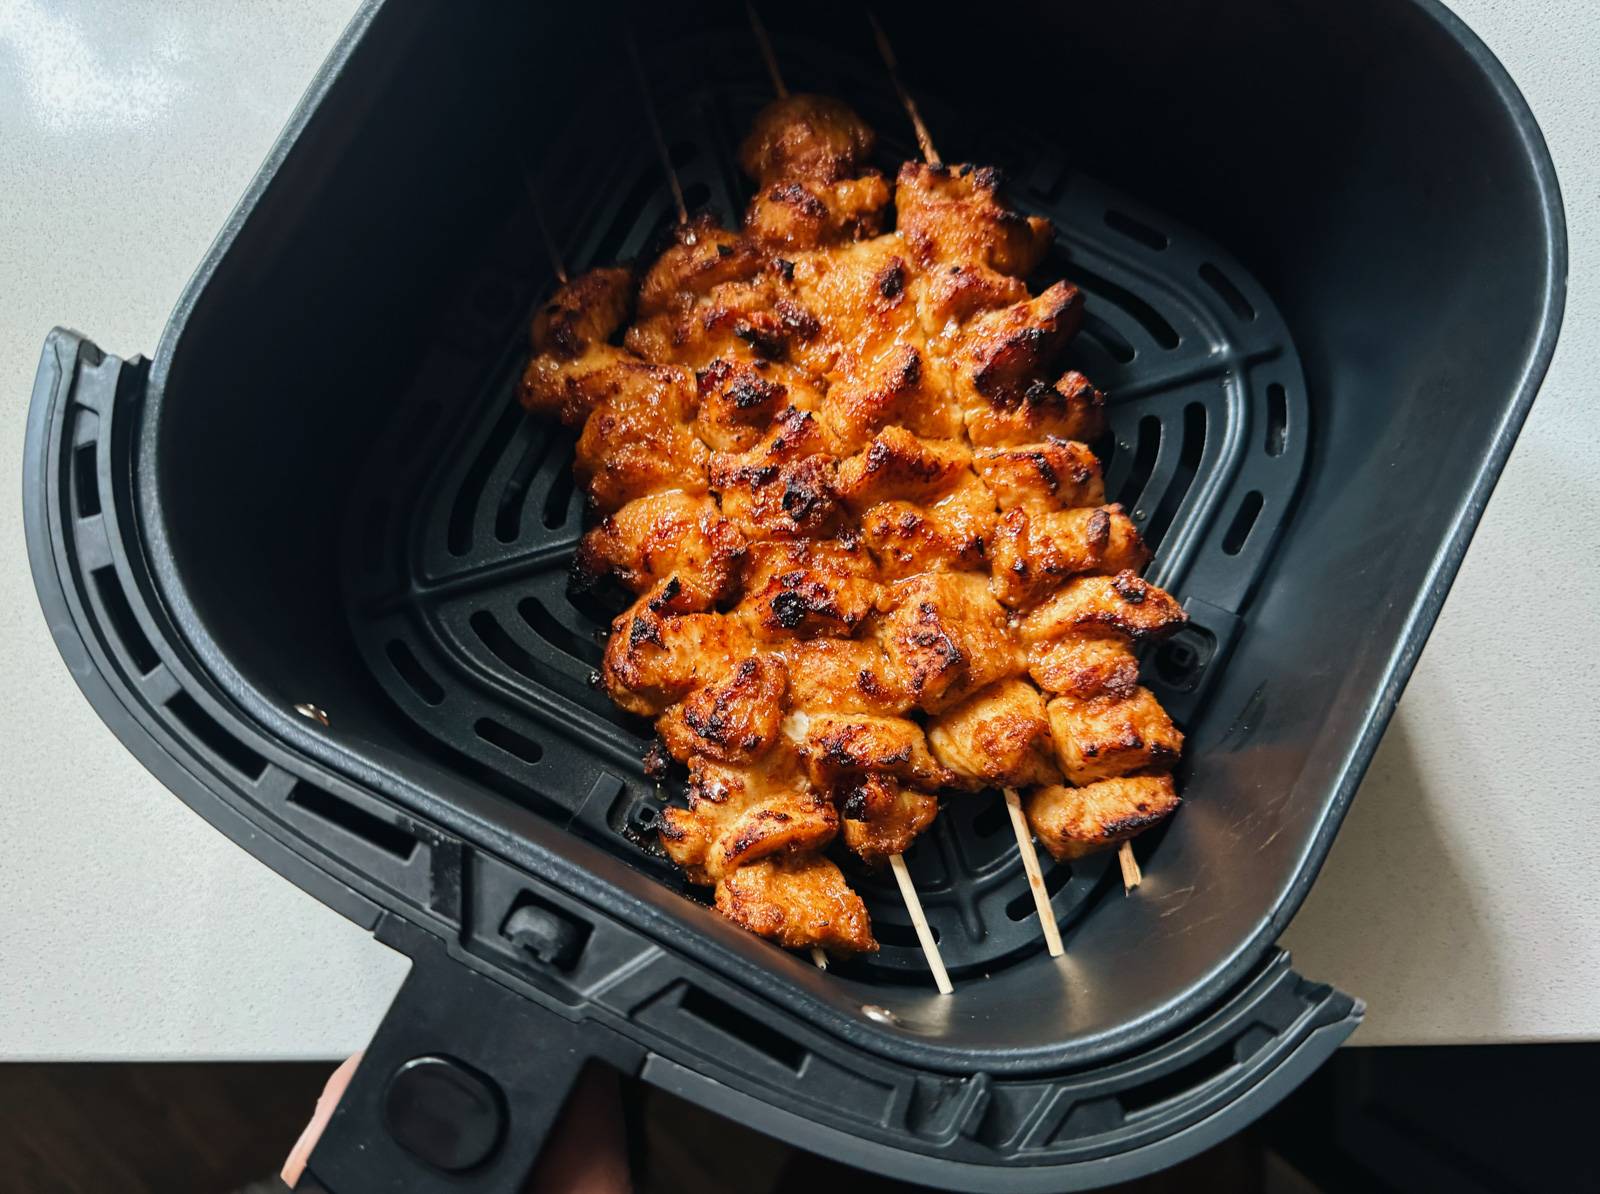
(465, 517)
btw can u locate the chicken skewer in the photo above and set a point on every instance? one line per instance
(902, 876)
(897, 864)
(655, 127)
(1019, 824)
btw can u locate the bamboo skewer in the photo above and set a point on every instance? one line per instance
(544, 229)
(919, 921)
(767, 54)
(1030, 863)
(924, 139)
(1132, 876)
(655, 129)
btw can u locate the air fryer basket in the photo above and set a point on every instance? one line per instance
(309, 562)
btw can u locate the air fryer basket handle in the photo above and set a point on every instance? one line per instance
(459, 1088)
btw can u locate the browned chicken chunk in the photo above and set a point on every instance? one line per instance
(1124, 604)
(642, 442)
(783, 487)
(1084, 665)
(653, 659)
(834, 745)
(1108, 736)
(805, 137)
(1041, 478)
(1070, 409)
(844, 675)
(1072, 822)
(946, 635)
(733, 719)
(999, 737)
(737, 815)
(954, 213)
(795, 216)
(797, 901)
(809, 587)
(667, 539)
(880, 816)
(1034, 554)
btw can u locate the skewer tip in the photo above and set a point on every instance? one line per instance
(1132, 876)
(1030, 864)
(819, 957)
(768, 55)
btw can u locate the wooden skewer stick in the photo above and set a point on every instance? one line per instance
(544, 228)
(919, 921)
(1030, 863)
(767, 55)
(820, 957)
(655, 128)
(924, 139)
(1131, 875)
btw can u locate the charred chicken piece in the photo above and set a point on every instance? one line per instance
(860, 296)
(880, 816)
(585, 312)
(806, 137)
(1041, 478)
(1070, 409)
(948, 535)
(797, 901)
(642, 442)
(845, 675)
(999, 737)
(954, 214)
(898, 390)
(794, 216)
(897, 465)
(739, 399)
(1072, 822)
(1084, 665)
(737, 815)
(835, 745)
(946, 635)
(1124, 604)
(1108, 736)
(1033, 554)
(1002, 352)
(809, 587)
(673, 540)
(653, 659)
(703, 255)
(574, 366)
(783, 487)
(733, 719)
(950, 294)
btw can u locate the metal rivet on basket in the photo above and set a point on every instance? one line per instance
(306, 709)
(879, 1015)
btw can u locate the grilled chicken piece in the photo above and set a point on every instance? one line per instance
(897, 465)
(783, 487)
(898, 390)
(733, 320)
(1108, 736)
(793, 216)
(702, 256)
(1002, 353)
(1083, 666)
(945, 636)
(641, 442)
(808, 137)
(844, 675)
(673, 539)
(737, 815)
(653, 659)
(1072, 822)
(954, 214)
(949, 535)
(1070, 409)
(809, 587)
(1054, 474)
(739, 399)
(1124, 604)
(999, 737)
(730, 720)
(860, 296)
(1033, 554)
(949, 294)
(584, 312)
(835, 745)
(798, 902)
(880, 816)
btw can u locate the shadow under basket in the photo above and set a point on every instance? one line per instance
(310, 561)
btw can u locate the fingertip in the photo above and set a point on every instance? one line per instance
(332, 1091)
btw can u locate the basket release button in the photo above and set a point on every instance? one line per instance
(444, 1112)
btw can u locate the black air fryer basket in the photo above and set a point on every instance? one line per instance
(309, 562)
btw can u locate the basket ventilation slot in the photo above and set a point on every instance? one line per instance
(204, 728)
(375, 831)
